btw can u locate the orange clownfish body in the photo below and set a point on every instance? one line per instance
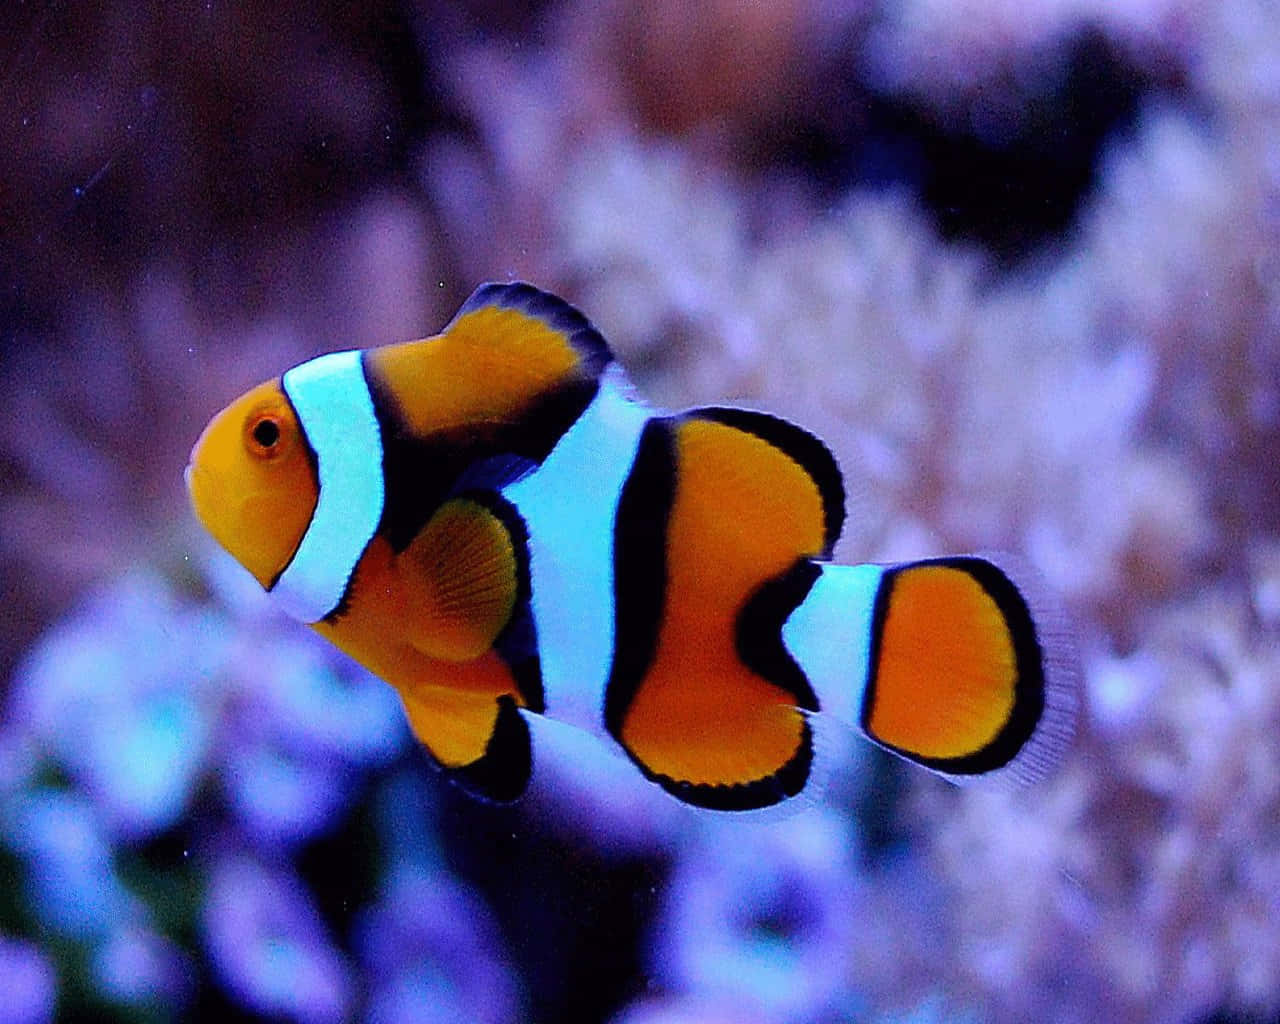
(491, 520)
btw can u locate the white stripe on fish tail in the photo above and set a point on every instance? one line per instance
(335, 410)
(829, 635)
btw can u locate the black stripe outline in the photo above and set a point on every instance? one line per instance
(758, 631)
(640, 567)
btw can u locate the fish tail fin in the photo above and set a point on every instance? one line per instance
(963, 665)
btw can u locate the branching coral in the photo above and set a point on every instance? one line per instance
(1145, 885)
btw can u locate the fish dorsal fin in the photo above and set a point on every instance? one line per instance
(517, 314)
(507, 378)
(511, 353)
(463, 574)
(802, 448)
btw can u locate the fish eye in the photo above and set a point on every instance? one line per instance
(267, 433)
(264, 435)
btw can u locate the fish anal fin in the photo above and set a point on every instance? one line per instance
(501, 774)
(474, 733)
(461, 576)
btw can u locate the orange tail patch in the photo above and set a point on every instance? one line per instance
(713, 511)
(961, 680)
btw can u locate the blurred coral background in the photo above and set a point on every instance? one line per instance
(1019, 263)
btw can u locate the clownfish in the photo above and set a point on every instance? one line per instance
(491, 520)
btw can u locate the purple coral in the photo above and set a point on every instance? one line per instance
(432, 953)
(269, 946)
(761, 918)
(28, 982)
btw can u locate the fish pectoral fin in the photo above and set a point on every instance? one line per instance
(478, 738)
(463, 575)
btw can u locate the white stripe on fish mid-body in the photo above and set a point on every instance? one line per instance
(331, 398)
(569, 505)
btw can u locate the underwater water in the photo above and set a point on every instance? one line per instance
(1016, 263)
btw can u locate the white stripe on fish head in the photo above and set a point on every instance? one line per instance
(335, 410)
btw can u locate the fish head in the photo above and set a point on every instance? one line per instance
(252, 481)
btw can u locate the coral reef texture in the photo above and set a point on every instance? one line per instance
(1018, 263)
